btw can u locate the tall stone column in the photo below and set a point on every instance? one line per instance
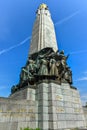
(43, 34)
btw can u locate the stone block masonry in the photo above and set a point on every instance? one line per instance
(60, 107)
(15, 114)
(50, 107)
(85, 113)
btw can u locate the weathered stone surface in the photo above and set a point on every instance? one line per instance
(43, 34)
(8, 126)
(42, 107)
(85, 114)
(64, 107)
(26, 93)
(15, 114)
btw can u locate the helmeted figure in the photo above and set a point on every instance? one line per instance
(43, 67)
(68, 75)
(53, 67)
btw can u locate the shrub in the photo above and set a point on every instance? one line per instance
(75, 129)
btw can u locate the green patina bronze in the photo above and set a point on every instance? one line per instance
(45, 64)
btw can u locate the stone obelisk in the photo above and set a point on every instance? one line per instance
(43, 34)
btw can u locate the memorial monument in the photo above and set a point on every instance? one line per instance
(44, 97)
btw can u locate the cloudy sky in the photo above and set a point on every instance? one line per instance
(16, 22)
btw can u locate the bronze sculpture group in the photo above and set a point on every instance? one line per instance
(44, 65)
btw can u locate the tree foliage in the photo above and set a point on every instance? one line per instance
(29, 128)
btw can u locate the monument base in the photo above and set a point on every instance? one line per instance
(49, 107)
(59, 107)
(16, 114)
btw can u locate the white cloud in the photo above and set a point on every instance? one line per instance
(3, 87)
(84, 96)
(81, 79)
(26, 39)
(15, 46)
(85, 72)
(67, 18)
(84, 99)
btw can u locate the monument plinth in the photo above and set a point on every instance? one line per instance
(44, 97)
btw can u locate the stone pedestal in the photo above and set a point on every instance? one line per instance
(59, 107)
(26, 93)
(85, 113)
(16, 114)
(49, 107)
